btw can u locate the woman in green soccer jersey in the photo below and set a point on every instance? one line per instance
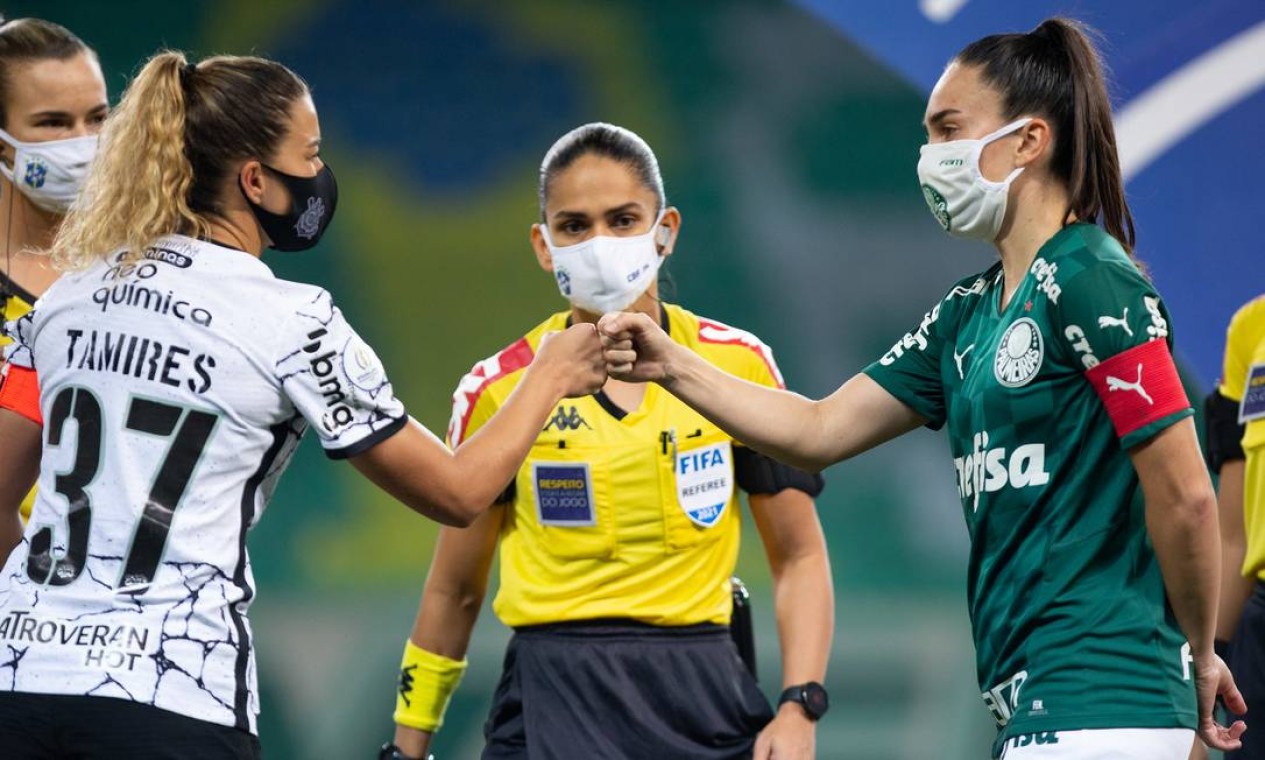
(52, 104)
(619, 535)
(1053, 373)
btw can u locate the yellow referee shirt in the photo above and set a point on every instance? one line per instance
(1243, 381)
(619, 515)
(14, 302)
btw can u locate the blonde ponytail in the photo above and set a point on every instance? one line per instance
(139, 185)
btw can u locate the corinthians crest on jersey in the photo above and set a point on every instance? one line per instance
(1019, 354)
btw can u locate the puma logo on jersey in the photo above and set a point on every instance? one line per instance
(1116, 384)
(957, 359)
(987, 470)
(1109, 321)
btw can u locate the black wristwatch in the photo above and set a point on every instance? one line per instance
(811, 696)
(391, 752)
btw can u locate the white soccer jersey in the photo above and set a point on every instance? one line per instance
(174, 392)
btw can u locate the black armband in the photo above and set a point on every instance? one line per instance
(1225, 434)
(756, 473)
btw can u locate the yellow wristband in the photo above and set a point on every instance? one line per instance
(427, 681)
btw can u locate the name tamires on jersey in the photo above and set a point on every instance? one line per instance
(174, 391)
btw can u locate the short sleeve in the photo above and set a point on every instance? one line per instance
(910, 370)
(336, 381)
(1110, 319)
(471, 409)
(1240, 344)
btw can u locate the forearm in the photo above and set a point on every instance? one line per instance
(805, 607)
(1235, 589)
(445, 621)
(485, 464)
(455, 587)
(778, 423)
(1184, 534)
(10, 535)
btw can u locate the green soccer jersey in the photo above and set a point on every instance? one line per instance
(1071, 624)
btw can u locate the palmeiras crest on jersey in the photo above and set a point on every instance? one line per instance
(1019, 354)
(310, 222)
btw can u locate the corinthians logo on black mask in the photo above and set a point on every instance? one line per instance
(312, 204)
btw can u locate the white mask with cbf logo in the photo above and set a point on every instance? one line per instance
(966, 204)
(604, 273)
(50, 173)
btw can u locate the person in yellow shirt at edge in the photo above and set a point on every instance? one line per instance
(1236, 450)
(52, 105)
(620, 533)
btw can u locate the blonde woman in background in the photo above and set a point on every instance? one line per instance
(52, 104)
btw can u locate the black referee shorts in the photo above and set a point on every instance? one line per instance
(57, 727)
(616, 690)
(1247, 663)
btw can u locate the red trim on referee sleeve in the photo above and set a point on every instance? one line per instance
(20, 392)
(511, 359)
(1139, 386)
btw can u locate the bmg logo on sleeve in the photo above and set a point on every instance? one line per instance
(564, 494)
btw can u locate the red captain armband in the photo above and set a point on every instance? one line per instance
(1139, 386)
(20, 392)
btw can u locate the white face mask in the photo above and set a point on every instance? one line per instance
(966, 204)
(605, 274)
(50, 173)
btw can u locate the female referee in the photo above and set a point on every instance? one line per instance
(1052, 370)
(176, 376)
(620, 532)
(52, 104)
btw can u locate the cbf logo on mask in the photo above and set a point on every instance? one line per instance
(705, 482)
(36, 173)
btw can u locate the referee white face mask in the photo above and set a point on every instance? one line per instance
(605, 273)
(965, 202)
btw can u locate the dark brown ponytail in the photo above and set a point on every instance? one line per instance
(1055, 72)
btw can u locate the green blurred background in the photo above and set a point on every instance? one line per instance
(791, 156)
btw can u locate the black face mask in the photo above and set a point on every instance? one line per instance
(312, 203)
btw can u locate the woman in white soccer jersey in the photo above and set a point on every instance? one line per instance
(619, 535)
(1053, 373)
(176, 375)
(52, 104)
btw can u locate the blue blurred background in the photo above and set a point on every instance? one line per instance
(788, 135)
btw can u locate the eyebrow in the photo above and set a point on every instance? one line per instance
(940, 116)
(314, 141)
(630, 206)
(67, 114)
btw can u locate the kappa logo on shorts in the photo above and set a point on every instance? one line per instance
(564, 494)
(1019, 354)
